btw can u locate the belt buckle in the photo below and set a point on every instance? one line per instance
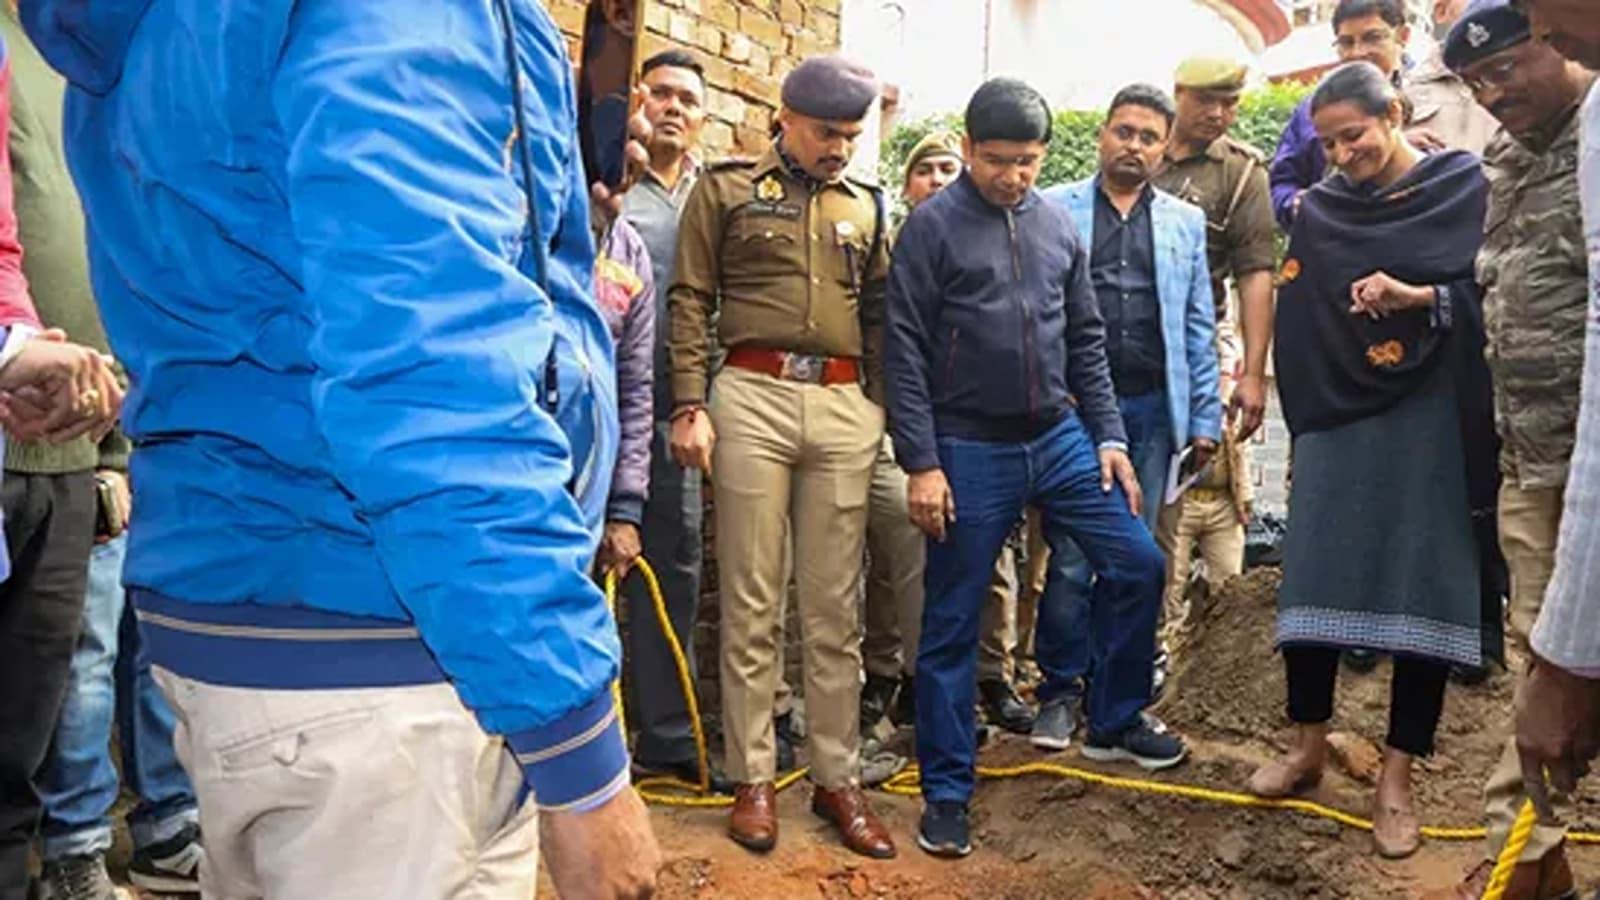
(803, 367)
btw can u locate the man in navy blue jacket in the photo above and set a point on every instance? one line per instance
(1000, 397)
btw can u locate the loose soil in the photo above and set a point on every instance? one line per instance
(1048, 838)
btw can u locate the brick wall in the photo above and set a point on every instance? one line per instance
(748, 46)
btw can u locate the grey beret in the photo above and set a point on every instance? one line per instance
(830, 87)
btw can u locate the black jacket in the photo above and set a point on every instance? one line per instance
(993, 329)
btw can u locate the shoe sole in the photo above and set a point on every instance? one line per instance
(755, 844)
(1050, 743)
(944, 851)
(164, 884)
(1118, 754)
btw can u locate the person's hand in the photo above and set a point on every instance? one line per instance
(1204, 450)
(606, 201)
(1294, 205)
(1380, 294)
(1425, 140)
(692, 440)
(55, 391)
(1249, 405)
(1558, 732)
(1116, 468)
(606, 853)
(124, 498)
(930, 502)
(619, 547)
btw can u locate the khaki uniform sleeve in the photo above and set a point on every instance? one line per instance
(692, 300)
(874, 288)
(1252, 231)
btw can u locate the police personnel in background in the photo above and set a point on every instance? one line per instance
(1228, 180)
(793, 254)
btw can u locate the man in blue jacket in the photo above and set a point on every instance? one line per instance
(375, 423)
(992, 333)
(1147, 264)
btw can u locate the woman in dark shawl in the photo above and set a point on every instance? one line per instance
(1381, 373)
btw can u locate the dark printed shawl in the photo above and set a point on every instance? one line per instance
(1334, 367)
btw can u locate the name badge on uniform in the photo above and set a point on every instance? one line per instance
(770, 194)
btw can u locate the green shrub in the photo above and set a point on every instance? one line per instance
(1263, 113)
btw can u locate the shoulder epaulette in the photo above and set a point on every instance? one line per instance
(1244, 149)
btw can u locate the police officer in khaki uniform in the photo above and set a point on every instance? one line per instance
(794, 256)
(1228, 180)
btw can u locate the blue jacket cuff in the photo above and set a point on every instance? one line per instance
(625, 509)
(578, 762)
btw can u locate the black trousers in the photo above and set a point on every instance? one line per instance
(49, 526)
(1416, 695)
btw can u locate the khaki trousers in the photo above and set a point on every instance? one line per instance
(800, 455)
(1208, 519)
(352, 794)
(1530, 520)
(893, 615)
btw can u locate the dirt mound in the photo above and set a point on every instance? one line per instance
(1040, 837)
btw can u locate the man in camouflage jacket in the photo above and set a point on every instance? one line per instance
(1534, 271)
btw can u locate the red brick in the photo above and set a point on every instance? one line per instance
(723, 13)
(761, 28)
(718, 138)
(655, 18)
(805, 44)
(825, 25)
(719, 72)
(756, 87)
(568, 15)
(736, 48)
(750, 141)
(708, 37)
(680, 27)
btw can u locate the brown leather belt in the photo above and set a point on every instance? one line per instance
(801, 367)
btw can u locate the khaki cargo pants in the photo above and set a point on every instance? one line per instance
(1530, 520)
(352, 795)
(791, 454)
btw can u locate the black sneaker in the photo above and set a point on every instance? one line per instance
(78, 878)
(171, 866)
(944, 830)
(877, 695)
(1003, 707)
(787, 739)
(905, 704)
(1058, 719)
(687, 770)
(1147, 744)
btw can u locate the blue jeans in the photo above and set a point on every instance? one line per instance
(1061, 644)
(111, 680)
(1059, 473)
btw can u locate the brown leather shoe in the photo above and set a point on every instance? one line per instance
(1549, 878)
(847, 809)
(754, 822)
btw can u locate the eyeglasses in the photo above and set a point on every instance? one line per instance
(1498, 75)
(1368, 40)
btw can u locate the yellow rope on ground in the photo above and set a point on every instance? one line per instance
(669, 791)
(1511, 852)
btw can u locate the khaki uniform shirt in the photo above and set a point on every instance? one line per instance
(1229, 183)
(1535, 277)
(787, 262)
(1443, 104)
